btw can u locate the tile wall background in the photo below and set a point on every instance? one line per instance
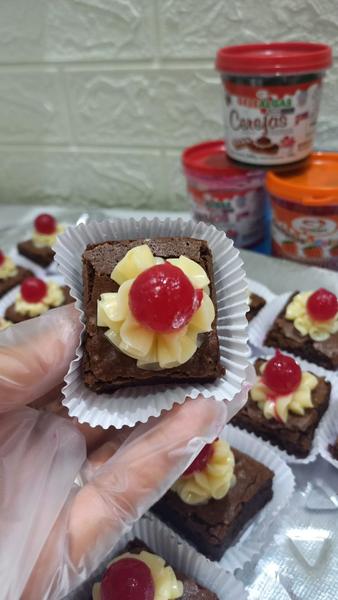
(98, 97)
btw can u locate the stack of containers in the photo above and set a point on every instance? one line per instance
(272, 95)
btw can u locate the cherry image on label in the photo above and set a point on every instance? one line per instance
(45, 224)
(33, 290)
(2, 258)
(163, 299)
(201, 460)
(322, 305)
(282, 375)
(128, 579)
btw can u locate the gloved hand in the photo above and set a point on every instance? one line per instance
(54, 532)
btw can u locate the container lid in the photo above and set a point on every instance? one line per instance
(274, 58)
(210, 158)
(316, 184)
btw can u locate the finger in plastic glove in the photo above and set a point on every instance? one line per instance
(242, 396)
(135, 477)
(40, 456)
(35, 355)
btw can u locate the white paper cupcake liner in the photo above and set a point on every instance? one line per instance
(184, 559)
(136, 404)
(260, 289)
(10, 297)
(328, 428)
(320, 372)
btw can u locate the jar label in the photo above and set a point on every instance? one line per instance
(272, 124)
(239, 215)
(311, 239)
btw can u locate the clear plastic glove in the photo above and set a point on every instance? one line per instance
(53, 532)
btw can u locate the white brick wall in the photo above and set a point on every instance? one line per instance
(98, 97)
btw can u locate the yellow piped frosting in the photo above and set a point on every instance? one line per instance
(54, 297)
(8, 268)
(40, 240)
(296, 311)
(279, 406)
(214, 481)
(166, 584)
(152, 350)
(4, 323)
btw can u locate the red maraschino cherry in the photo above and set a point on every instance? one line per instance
(45, 224)
(282, 375)
(163, 299)
(2, 258)
(33, 290)
(322, 305)
(128, 579)
(201, 460)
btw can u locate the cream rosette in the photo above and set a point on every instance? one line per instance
(166, 585)
(54, 297)
(279, 406)
(40, 240)
(296, 311)
(214, 481)
(8, 268)
(150, 348)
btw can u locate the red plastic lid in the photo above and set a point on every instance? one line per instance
(210, 158)
(274, 58)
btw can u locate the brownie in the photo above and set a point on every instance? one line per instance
(10, 282)
(296, 435)
(285, 336)
(256, 304)
(42, 256)
(191, 589)
(12, 315)
(333, 449)
(214, 526)
(105, 368)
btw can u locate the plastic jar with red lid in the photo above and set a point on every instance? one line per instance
(272, 96)
(224, 194)
(304, 206)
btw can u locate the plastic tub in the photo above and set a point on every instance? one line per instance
(228, 196)
(305, 211)
(272, 96)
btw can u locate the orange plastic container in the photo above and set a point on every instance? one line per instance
(305, 211)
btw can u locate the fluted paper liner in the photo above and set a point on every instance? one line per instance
(182, 557)
(136, 404)
(255, 535)
(328, 428)
(291, 459)
(261, 290)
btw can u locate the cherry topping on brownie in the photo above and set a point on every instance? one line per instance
(45, 224)
(322, 305)
(2, 258)
(282, 375)
(163, 299)
(128, 579)
(33, 289)
(201, 460)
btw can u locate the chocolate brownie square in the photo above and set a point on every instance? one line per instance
(214, 526)
(296, 435)
(105, 368)
(42, 256)
(284, 335)
(12, 315)
(333, 449)
(191, 589)
(10, 282)
(256, 304)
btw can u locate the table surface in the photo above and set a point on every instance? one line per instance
(283, 571)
